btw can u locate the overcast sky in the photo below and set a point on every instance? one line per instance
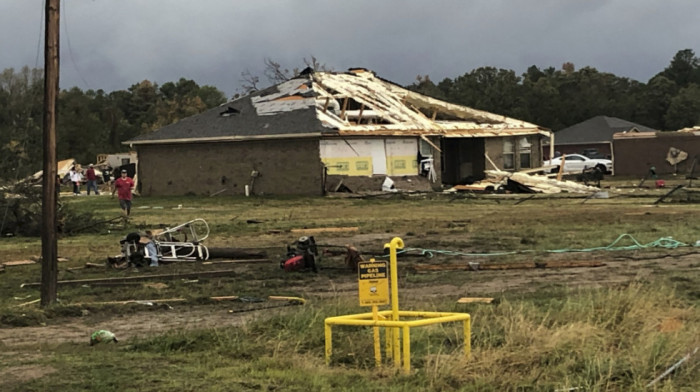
(112, 44)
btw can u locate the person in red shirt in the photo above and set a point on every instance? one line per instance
(123, 186)
(91, 180)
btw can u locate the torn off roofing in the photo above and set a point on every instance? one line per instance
(353, 103)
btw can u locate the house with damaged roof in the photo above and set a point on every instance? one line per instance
(306, 135)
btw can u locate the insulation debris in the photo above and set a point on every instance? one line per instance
(539, 184)
(520, 182)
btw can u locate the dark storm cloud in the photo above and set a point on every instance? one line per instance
(116, 43)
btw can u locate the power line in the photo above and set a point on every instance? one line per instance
(41, 30)
(70, 51)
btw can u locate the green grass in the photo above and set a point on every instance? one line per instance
(546, 337)
(596, 339)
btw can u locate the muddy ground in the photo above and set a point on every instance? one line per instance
(414, 287)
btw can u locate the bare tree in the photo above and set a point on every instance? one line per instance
(249, 82)
(276, 73)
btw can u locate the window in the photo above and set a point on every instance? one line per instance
(508, 158)
(524, 149)
(425, 149)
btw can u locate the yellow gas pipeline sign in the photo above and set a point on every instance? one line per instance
(373, 282)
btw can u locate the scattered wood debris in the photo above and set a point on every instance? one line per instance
(141, 278)
(499, 181)
(505, 266)
(325, 230)
(539, 183)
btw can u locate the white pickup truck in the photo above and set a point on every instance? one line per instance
(576, 163)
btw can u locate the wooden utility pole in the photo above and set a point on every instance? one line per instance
(49, 247)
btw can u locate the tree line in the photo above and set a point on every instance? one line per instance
(89, 122)
(92, 122)
(557, 99)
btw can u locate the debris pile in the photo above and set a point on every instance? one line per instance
(521, 182)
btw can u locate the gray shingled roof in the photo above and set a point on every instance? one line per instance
(239, 118)
(352, 103)
(596, 130)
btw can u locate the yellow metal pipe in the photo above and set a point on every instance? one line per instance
(377, 342)
(396, 347)
(407, 350)
(387, 343)
(467, 338)
(400, 324)
(391, 321)
(395, 243)
(329, 343)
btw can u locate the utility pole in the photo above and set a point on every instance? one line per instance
(49, 246)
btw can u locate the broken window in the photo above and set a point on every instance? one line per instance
(525, 152)
(424, 148)
(508, 154)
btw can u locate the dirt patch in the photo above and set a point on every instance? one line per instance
(129, 326)
(414, 287)
(24, 373)
(670, 325)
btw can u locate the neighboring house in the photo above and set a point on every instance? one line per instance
(668, 152)
(305, 135)
(594, 135)
(117, 160)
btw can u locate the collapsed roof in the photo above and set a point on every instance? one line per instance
(345, 104)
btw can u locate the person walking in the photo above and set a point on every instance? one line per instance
(91, 180)
(123, 186)
(107, 176)
(75, 178)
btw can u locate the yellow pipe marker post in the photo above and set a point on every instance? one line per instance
(373, 287)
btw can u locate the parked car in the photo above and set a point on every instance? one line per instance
(577, 163)
(593, 153)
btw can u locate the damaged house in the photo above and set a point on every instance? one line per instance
(308, 135)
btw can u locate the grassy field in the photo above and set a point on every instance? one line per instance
(612, 328)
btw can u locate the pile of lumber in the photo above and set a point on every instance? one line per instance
(538, 183)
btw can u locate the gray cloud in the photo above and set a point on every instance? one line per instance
(116, 43)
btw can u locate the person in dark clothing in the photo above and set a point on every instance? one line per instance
(91, 180)
(107, 176)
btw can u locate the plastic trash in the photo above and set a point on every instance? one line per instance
(388, 185)
(102, 336)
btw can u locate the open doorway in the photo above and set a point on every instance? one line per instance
(462, 160)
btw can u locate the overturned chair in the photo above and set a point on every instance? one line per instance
(183, 242)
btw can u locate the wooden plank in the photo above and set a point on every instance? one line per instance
(132, 301)
(242, 261)
(506, 266)
(284, 298)
(325, 230)
(225, 298)
(486, 155)
(140, 278)
(668, 194)
(561, 167)
(470, 300)
(30, 302)
(18, 262)
(345, 107)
